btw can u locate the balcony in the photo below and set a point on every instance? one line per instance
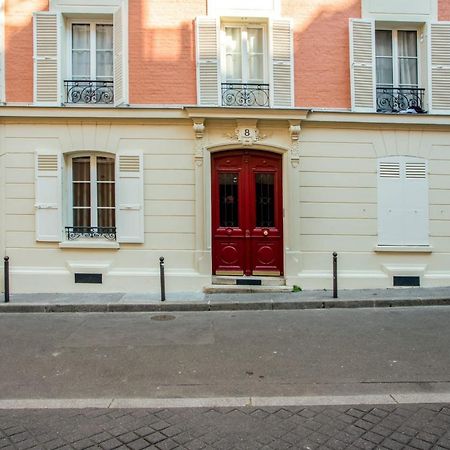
(400, 100)
(245, 95)
(74, 233)
(89, 91)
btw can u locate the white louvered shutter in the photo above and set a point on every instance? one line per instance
(120, 64)
(282, 91)
(362, 65)
(130, 197)
(440, 67)
(207, 61)
(46, 52)
(402, 201)
(48, 197)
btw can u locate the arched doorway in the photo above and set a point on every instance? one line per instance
(247, 213)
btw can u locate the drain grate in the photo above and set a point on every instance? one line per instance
(162, 317)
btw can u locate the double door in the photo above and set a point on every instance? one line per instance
(247, 215)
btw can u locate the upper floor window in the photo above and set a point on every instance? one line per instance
(397, 71)
(243, 71)
(91, 63)
(235, 66)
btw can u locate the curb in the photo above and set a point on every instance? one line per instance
(219, 306)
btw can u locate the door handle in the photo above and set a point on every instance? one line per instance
(247, 233)
(265, 232)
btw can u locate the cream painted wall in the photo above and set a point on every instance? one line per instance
(400, 10)
(330, 203)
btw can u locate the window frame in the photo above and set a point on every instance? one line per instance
(93, 45)
(395, 56)
(244, 50)
(93, 187)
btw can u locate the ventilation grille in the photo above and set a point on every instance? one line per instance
(129, 164)
(90, 278)
(415, 170)
(47, 163)
(390, 170)
(404, 281)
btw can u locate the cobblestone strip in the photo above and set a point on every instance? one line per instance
(326, 427)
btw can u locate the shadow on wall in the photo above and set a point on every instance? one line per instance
(162, 50)
(19, 45)
(321, 45)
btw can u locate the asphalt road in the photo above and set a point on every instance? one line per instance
(265, 353)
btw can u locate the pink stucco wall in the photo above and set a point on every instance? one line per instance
(444, 10)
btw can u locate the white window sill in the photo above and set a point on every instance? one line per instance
(404, 248)
(92, 243)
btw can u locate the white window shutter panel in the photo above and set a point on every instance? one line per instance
(120, 62)
(403, 217)
(48, 197)
(130, 197)
(207, 29)
(46, 58)
(282, 90)
(415, 202)
(440, 67)
(362, 65)
(389, 201)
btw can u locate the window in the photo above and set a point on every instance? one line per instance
(402, 201)
(397, 71)
(90, 63)
(92, 206)
(244, 66)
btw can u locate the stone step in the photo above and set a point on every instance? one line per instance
(238, 289)
(251, 281)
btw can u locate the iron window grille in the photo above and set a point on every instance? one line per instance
(245, 95)
(400, 100)
(89, 91)
(74, 233)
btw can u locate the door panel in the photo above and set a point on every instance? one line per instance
(247, 219)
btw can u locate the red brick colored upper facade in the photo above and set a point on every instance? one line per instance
(162, 67)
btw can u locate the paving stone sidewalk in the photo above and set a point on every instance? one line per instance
(319, 427)
(198, 301)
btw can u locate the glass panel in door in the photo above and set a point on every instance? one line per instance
(228, 194)
(265, 200)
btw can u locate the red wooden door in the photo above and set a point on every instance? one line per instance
(247, 215)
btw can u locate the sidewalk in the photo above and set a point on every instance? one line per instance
(197, 301)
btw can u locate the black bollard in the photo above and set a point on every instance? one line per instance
(163, 281)
(6, 278)
(335, 281)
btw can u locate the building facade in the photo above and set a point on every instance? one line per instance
(234, 138)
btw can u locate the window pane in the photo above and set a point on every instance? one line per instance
(234, 68)
(233, 62)
(255, 69)
(81, 194)
(255, 40)
(104, 37)
(407, 43)
(228, 193)
(408, 71)
(81, 168)
(383, 43)
(106, 195)
(265, 200)
(106, 218)
(104, 64)
(105, 169)
(82, 217)
(81, 37)
(384, 71)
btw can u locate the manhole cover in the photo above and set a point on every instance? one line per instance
(163, 317)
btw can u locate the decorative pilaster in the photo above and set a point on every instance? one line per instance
(294, 130)
(199, 130)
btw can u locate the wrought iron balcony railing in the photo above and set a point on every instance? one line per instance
(89, 91)
(250, 94)
(74, 233)
(400, 100)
